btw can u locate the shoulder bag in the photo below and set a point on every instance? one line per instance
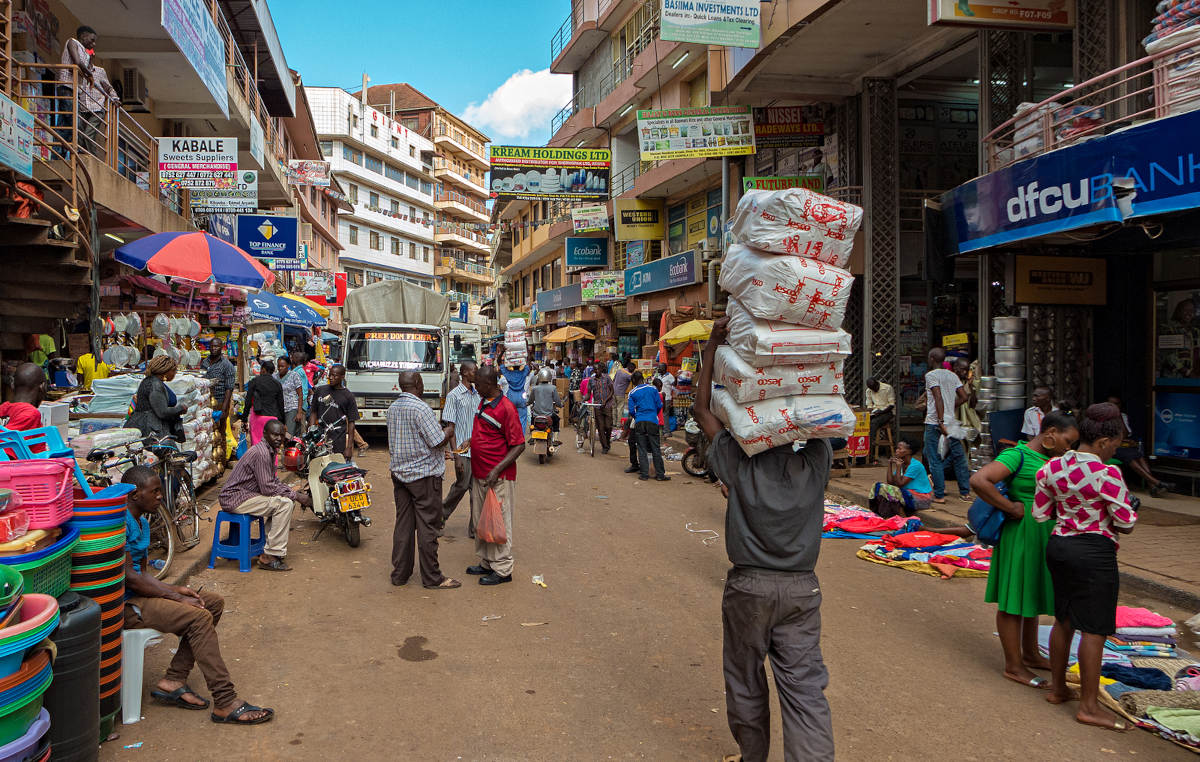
(985, 519)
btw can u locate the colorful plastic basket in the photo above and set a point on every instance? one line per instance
(47, 571)
(44, 487)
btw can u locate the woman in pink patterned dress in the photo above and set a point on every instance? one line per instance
(1090, 505)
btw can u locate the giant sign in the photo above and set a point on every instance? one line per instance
(1012, 14)
(789, 127)
(269, 236)
(730, 23)
(240, 195)
(197, 162)
(540, 172)
(689, 133)
(587, 252)
(669, 272)
(190, 25)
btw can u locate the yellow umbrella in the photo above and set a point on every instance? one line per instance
(568, 333)
(321, 309)
(692, 330)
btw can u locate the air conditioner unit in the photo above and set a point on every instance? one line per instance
(710, 249)
(135, 95)
(306, 232)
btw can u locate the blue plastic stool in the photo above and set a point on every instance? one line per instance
(238, 544)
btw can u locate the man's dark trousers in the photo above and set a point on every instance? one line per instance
(604, 426)
(646, 436)
(460, 488)
(777, 615)
(419, 510)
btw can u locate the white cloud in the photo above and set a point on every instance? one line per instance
(522, 106)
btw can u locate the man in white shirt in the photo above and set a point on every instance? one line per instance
(1032, 425)
(663, 373)
(943, 393)
(881, 401)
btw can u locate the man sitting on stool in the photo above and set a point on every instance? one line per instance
(255, 490)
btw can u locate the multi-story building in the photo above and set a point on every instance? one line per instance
(387, 172)
(460, 166)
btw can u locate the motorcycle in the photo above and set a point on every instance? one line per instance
(542, 436)
(694, 459)
(340, 490)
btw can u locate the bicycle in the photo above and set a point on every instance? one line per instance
(179, 493)
(587, 419)
(161, 550)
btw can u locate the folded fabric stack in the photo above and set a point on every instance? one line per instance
(1177, 27)
(780, 376)
(1141, 632)
(925, 552)
(858, 523)
(516, 349)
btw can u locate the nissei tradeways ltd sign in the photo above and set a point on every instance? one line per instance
(587, 252)
(268, 236)
(669, 272)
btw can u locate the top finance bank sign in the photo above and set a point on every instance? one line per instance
(731, 23)
(197, 162)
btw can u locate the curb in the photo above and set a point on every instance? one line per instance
(1137, 583)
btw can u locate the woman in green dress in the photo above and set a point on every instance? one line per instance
(1018, 581)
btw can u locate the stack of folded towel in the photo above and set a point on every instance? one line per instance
(1141, 632)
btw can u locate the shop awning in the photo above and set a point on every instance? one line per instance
(320, 309)
(265, 306)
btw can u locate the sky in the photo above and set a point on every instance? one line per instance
(484, 60)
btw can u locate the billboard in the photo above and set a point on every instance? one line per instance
(589, 219)
(197, 162)
(1012, 14)
(269, 236)
(325, 288)
(640, 219)
(539, 172)
(306, 172)
(603, 285)
(16, 137)
(688, 133)
(789, 127)
(730, 23)
(587, 252)
(190, 25)
(241, 195)
(810, 182)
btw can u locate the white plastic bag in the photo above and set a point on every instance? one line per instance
(515, 349)
(797, 221)
(514, 336)
(761, 343)
(759, 426)
(746, 383)
(515, 324)
(792, 289)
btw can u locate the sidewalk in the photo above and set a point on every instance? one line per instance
(1159, 559)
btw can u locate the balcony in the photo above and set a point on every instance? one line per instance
(462, 236)
(443, 169)
(576, 38)
(449, 136)
(461, 296)
(666, 178)
(455, 202)
(464, 269)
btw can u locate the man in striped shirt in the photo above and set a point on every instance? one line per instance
(254, 489)
(461, 405)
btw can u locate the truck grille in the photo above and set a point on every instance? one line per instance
(374, 401)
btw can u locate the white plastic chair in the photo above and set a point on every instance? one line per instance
(133, 657)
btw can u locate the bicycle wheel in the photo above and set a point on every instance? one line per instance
(162, 543)
(186, 510)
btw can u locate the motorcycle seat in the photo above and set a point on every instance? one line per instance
(334, 472)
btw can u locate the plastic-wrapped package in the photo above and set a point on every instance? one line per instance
(746, 383)
(14, 523)
(514, 349)
(760, 426)
(515, 324)
(762, 343)
(797, 221)
(514, 337)
(792, 289)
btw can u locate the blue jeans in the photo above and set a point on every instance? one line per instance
(937, 467)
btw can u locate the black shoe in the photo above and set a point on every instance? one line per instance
(662, 478)
(643, 478)
(604, 451)
(631, 470)
(477, 569)
(495, 579)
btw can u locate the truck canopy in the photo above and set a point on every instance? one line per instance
(396, 301)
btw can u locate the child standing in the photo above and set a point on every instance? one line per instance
(1089, 503)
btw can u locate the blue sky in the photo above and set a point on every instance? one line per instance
(486, 60)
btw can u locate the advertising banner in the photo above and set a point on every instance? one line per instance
(858, 444)
(305, 172)
(587, 252)
(639, 219)
(560, 298)
(669, 272)
(257, 141)
(730, 23)
(269, 236)
(789, 127)
(810, 182)
(539, 173)
(325, 288)
(603, 285)
(223, 226)
(589, 219)
(241, 195)
(16, 137)
(1012, 14)
(635, 253)
(1061, 280)
(1177, 424)
(190, 24)
(197, 162)
(688, 133)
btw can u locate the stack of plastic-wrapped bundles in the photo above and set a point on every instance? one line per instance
(1177, 25)
(516, 349)
(781, 372)
(198, 428)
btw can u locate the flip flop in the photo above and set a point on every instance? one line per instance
(232, 717)
(275, 565)
(446, 584)
(175, 698)
(1118, 726)
(1035, 682)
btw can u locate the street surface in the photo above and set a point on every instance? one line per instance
(619, 657)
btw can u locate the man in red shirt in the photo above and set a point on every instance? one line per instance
(496, 442)
(29, 389)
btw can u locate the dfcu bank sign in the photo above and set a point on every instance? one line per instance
(1149, 169)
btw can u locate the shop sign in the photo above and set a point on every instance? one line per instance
(1077, 186)
(190, 24)
(809, 182)
(603, 285)
(16, 137)
(560, 298)
(241, 195)
(1177, 424)
(645, 313)
(539, 172)
(688, 133)
(257, 139)
(269, 236)
(635, 253)
(956, 340)
(789, 127)
(640, 219)
(587, 252)
(858, 444)
(669, 272)
(197, 162)
(730, 23)
(306, 172)
(589, 219)
(1011, 14)
(223, 226)
(1061, 280)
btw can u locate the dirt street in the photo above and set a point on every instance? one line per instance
(619, 657)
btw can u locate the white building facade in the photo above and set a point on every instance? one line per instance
(387, 172)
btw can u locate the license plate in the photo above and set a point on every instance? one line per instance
(541, 435)
(355, 502)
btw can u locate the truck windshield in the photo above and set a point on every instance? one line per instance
(393, 350)
(464, 352)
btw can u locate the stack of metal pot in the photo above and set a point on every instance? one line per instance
(981, 452)
(1008, 337)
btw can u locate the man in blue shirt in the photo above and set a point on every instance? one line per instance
(644, 404)
(180, 610)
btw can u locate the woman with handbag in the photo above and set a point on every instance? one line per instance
(156, 410)
(1018, 581)
(908, 488)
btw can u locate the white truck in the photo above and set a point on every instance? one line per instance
(392, 326)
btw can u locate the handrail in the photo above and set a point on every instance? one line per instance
(443, 229)
(562, 37)
(565, 113)
(1157, 85)
(455, 197)
(466, 265)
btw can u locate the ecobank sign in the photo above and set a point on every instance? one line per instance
(1152, 169)
(587, 252)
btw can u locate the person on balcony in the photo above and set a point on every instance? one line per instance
(92, 97)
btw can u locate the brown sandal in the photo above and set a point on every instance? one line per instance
(446, 584)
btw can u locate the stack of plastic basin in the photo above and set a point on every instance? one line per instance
(98, 572)
(47, 571)
(25, 671)
(33, 746)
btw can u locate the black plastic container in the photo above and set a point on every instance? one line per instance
(73, 699)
